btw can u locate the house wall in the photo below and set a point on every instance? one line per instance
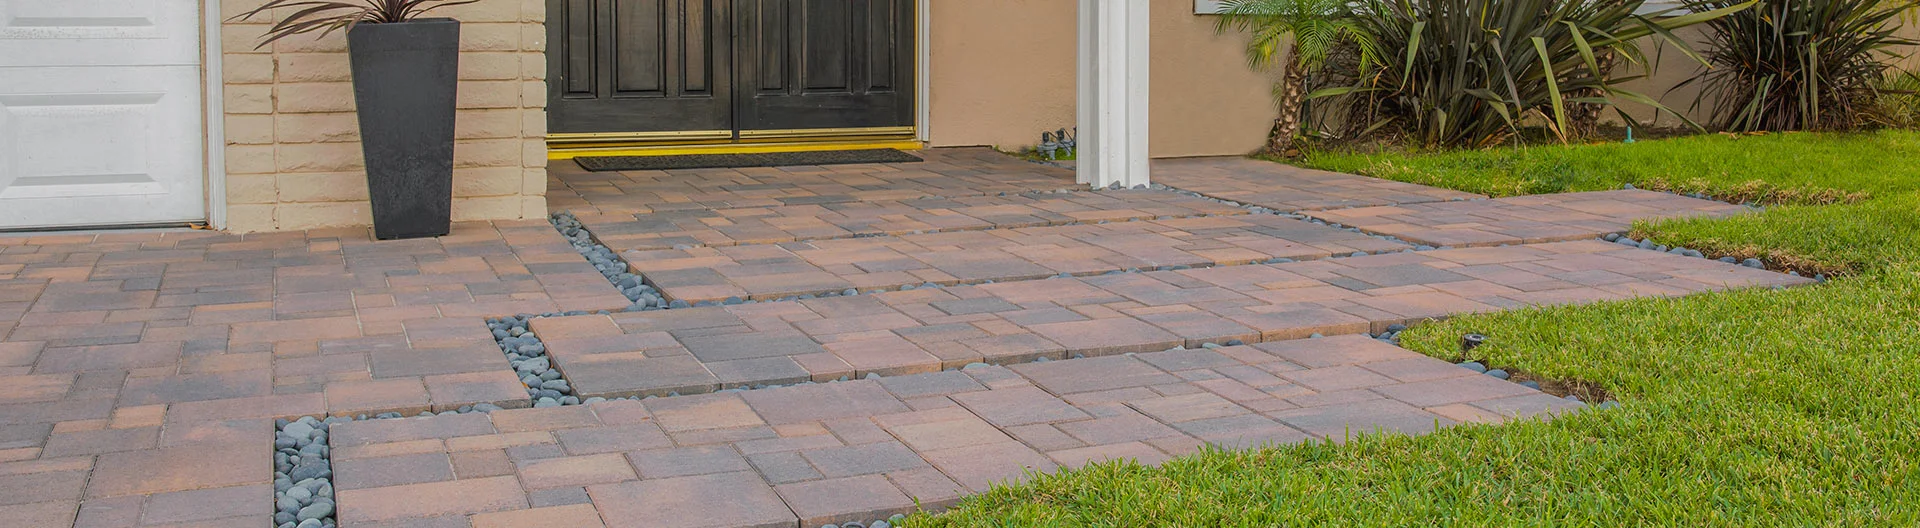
(292, 148)
(1003, 71)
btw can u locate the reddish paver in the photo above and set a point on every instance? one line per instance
(815, 266)
(732, 226)
(1525, 219)
(925, 330)
(689, 502)
(836, 452)
(144, 369)
(1288, 188)
(945, 173)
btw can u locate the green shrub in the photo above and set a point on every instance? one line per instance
(1472, 72)
(1797, 64)
(1896, 101)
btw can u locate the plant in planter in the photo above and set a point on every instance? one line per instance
(405, 71)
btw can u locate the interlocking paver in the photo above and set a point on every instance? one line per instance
(688, 502)
(358, 473)
(1135, 451)
(1288, 188)
(787, 223)
(142, 371)
(859, 498)
(569, 516)
(420, 501)
(1337, 422)
(819, 266)
(1525, 219)
(949, 173)
(571, 471)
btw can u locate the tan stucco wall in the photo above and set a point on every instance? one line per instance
(292, 148)
(1003, 71)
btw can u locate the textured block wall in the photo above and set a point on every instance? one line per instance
(292, 140)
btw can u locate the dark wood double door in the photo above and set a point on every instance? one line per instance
(735, 66)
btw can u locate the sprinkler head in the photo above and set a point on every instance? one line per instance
(1471, 341)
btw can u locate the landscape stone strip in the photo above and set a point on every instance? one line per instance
(1649, 244)
(713, 348)
(631, 285)
(869, 449)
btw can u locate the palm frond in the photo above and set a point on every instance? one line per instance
(328, 16)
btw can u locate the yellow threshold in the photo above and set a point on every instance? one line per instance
(564, 153)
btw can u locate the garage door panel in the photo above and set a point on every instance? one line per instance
(101, 116)
(99, 32)
(107, 141)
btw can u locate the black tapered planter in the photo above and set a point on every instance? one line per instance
(404, 79)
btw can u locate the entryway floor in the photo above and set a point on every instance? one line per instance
(141, 373)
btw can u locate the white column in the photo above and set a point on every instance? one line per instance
(1113, 92)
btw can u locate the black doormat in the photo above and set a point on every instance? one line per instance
(731, 161)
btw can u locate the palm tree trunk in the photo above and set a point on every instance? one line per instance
(1292, 96)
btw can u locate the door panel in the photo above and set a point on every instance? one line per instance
(638, 66)
(826, 64)
(100, 113)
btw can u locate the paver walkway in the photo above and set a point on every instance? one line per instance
(924, 330)
(766, 272)
(864, 450)
(1525, 219)
(787, 223)
(946, 173)
(140, 373)
(1288, 188)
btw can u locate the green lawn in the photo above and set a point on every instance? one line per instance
(1774, 168)
(1748, 408)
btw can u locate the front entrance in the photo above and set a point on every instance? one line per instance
(100, 113)
(729, 70)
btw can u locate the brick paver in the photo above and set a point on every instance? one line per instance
(925, 330)
(1525, 219)
(946, 173)
(140, 373)
(786, 223)
(856, 451)
(766, 272)
(1288, 188)
(151, 364)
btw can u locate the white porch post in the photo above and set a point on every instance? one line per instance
(1113, 93)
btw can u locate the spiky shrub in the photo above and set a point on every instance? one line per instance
(1474, 72)
(1896, 101)
(328, 16)
(1310, 31)
(1797, 64)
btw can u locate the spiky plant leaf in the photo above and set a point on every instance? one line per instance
(328, 16)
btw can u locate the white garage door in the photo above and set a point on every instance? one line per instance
(100, 113)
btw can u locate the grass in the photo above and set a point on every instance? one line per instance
(1774, 168)
(1741, 408)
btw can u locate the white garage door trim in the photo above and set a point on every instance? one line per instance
(216, 114)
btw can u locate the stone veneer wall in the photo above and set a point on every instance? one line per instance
(292, 139)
